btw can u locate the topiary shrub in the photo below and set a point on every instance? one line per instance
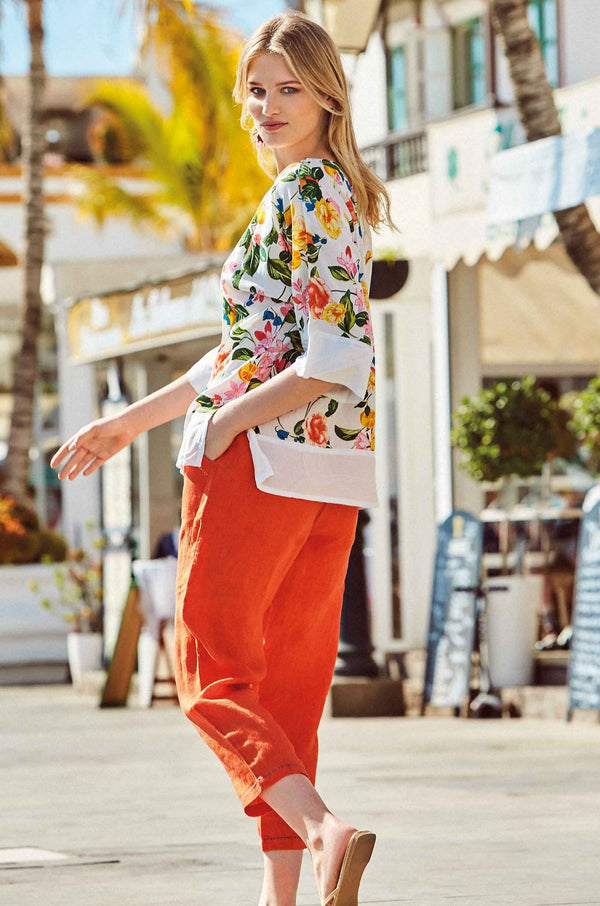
(510, 429)
(585, 422)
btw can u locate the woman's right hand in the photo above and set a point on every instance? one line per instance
(92, 445)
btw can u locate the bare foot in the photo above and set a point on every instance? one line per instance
(327, 851)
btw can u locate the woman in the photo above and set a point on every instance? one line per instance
(274, 478)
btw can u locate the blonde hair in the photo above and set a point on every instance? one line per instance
(312, 56)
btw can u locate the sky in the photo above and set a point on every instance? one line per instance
(90, 37)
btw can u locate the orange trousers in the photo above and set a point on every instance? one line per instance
(259, 593)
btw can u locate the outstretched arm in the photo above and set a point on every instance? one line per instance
(90, 447)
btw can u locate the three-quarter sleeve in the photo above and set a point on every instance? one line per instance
(329, 279)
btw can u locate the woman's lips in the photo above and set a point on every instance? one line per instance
(272, 127)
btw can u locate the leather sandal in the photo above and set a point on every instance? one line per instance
(356, 857)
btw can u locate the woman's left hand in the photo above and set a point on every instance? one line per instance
(218, 438)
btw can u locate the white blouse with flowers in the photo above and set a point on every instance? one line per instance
(295, 295)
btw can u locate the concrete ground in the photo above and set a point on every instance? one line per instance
(472, 812)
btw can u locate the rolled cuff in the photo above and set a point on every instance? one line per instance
(199, 374)
(331, 357)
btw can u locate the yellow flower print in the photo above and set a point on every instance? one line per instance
(371, 384)
(247, 372)
(287, 215)
(368, 419)
(300, 238)
(334, 312)
(261, 214)
(328, 214)
(373, 440)
(368, 256)
(333, 173)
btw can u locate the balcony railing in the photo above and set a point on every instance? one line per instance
(398, 156)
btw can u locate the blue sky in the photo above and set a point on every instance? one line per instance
(89, 37)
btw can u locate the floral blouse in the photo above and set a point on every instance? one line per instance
(295, 295)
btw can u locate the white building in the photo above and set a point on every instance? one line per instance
(432, 104)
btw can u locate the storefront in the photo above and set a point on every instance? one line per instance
(122, 345)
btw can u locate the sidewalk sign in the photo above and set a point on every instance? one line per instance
(120, 671)
(584, 666)
(453, 613)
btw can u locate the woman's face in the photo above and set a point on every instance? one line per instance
(288, 118)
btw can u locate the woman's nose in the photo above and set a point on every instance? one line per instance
(270, 105)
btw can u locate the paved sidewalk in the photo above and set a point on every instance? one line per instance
(468, 812)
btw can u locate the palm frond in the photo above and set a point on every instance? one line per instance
(103, 198)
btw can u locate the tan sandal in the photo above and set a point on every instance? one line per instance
(356, 857)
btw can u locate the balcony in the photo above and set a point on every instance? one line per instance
(398, 155)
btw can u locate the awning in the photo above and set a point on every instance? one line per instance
(537, 313)
(350, 22)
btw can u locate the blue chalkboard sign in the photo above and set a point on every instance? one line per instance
(453, 611)
(584, 666)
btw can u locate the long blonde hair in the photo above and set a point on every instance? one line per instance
(314, 59)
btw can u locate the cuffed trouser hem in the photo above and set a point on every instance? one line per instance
(253, 805)
(268, 844)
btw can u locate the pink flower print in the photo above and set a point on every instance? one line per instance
(235, 390)
(276, 351)
(347, 261)
(300, 296)
(233, 265)
(369, 330)
(286, 307)
(256, 239)
(362, 442)
(259, 295)
(361, 302)
(282, 241)
(263, 338)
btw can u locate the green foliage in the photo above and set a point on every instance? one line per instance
(510, 429)
(22, 540)
(585, 422)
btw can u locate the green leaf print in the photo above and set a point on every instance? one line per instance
(331, 408)
(296, 340)
(366, 340)
(205, 402)
(241, 353)
(340, 273)
(298, 427)
(279, 270)
(345, 434)
(240, 312)
(362, 318)
(312, 252)
(237, 276)
(252, 259)
(271, 237)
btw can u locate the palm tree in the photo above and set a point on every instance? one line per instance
(539, 117)
(207, 177)
(21, 431)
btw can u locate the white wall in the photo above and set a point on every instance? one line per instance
(368, 94)
(581, 34)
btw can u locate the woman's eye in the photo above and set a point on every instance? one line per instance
(290, 89)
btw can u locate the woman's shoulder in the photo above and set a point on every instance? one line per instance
(310, 177)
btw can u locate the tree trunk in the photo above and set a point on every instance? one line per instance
(538, 114)
(25, 373)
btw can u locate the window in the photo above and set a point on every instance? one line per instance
(468, 63)
(543, 20)
(397, 109)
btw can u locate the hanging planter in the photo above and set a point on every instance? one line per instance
(388, 277)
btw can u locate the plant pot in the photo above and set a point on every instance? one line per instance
(84, 650)
(388, 278)
(512, 621)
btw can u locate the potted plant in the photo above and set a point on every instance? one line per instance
(513, 429)
(32, 642)
(78, 598)
(510, 430)
(389, 274)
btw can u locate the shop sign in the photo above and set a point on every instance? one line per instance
(183, 308)
(584, 666)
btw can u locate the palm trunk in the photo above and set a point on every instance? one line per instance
(21, 425)
(538, 114)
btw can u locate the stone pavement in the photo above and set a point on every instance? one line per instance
(471, 812)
